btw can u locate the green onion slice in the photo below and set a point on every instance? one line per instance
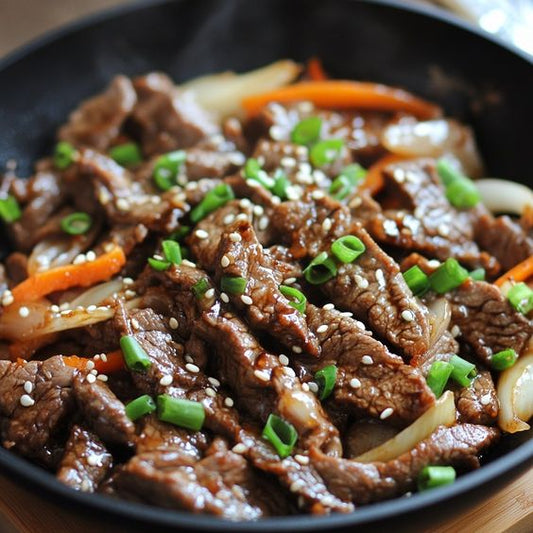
(281, 434)
(64, 155)
(348, 248)
(463, 372)
(253, 171)
(431, 477)
(416, 280)
(520, 296)
(460, 190)
(281, 182)
(438, 376)
(448, 276)
(325, 379)
(183, 413)
(76, 223)
(324, 152)
(172, 251)
(233, 284)
(217, 197)
(158, 264)
(321, 269)
(296, 298)
(166, 169)
(127, 154)
(9, 209)
(200, 288)
(504, 359)
(447, 173)
(135, 357)
(180, 233)
(478, 274)
(307, 131)
(346, 181)
(143, 405)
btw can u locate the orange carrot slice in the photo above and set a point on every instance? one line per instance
(315, 70)
(374, 181)
(520, 272)
(114, 361)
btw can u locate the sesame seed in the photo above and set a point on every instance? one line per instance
(26, 401)
(258, 210)
(408, 315)
(102, 377)
(28, 387)
(239, 448)
(276, 132)
(188, 263)
(228, 219)
(243, 216)
(103, 357)
(246, 299)
(210, 392)
(361, 282)
(313, 387)
(367, 360)
(245, 202)
(122, 204)
(224, 297)
(225, 261)
(485, 399)
(347, 314)
(235, 237)
(192, 368)
(97, 357)
(317, 194)
(262, 375)
(297, 485)
(135, 323)
(24, 312)
(305, 387)
(54, 308)
(94, 372)
(210, 293)
(444, 230)
(127, 281)
(228, 402)
(455, 331)
(173, 323)
(214, 382)
(433, 263)
(390, 228)
(296, 349)
(166, 380)
(91, 308)
(188, 359)
(283, 359)
(90, 255)
(302, 459)
(90, 364)
(328, 307)
(91, 378)
(289, 371)
(201, 234)
(263, 223)
(79, 259)
(355, 383)
(7, 298)
(129, 294)
(289, 281)
(93, 460)
(289, 162)
(386, 413)
(326, 224)
(276, 200)
(322, 328)
(380, 277)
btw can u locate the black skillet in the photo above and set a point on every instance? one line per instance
(472, 76)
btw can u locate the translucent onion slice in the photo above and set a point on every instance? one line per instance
(440, 319)
(97, 294)
(502, 196)
(441, 414)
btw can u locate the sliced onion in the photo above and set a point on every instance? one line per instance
(441, 414)
(502, 196)
(515, 392)
(97, 294)
(440, 320)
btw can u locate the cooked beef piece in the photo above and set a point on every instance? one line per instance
(370, 380)
(97, 122)
(86, 462)
(363, 207)
(272, 154)
(362, 483)
(104, 412)
(424, 220)
(36, 399)
(166, 118)
(127, 236)
(477, 403)
(202, 163)
(504, 239)
(486, 320)
(364, 435)
(442, 350)
(17, 266)
(261, 303)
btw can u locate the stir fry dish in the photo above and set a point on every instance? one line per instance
(263, 294)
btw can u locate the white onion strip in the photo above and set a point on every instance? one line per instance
(502, 196)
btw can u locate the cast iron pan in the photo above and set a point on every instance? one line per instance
(473, 76)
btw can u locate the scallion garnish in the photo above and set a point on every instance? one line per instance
(431, 477)
(438, 376)
(135, 357)
(346, 181)
(478, 274)
(324, 152)
(127, 154)
(76, 223)
(504, 359)
(307, 131)
(166, 169)
(281, 434)
(143, 405)
(183, 413)
(200, 288)
(233, 284)
(253, 171)
(463, 372)
(460, 190)
(64, 155)
(180, 233)
(9, 209)
(217, 197)
(281, 182)
(325, 379)
(321, 269)
(520, 296)
(296, 298)
(448, 276)
(416, 280)
(348, 248)
(172, 251)
(158, 264)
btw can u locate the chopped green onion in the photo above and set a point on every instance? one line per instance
(143, 405)
(200, 288)
(321, 269)
(233, 284)
(460, 190)
(348, 248)
(354, 172)
(463, 372)
(166, 169)
(172, 251)
(253, 171)
(448, 276)
(64, 155)
(183, 413)
(76, 223)
(416, 280)
(435, 476)
(220, 195)
(520, 297)
(504, 359)
(447, 173)
(296, 298)
(478, 274)
(346, 181)
(135, 357)
(281, 182)
(325, 152)
(180, 233)
(158, 264)
(307, 131)
(438, 376)
(9, 209)
(127, 154)
(281, 434)
(325, 379)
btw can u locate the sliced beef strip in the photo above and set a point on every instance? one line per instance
(362, 483)
(31, 430)
(86, 462)
(271, 154)
(478, 403)
(203, 163)
(370, 380)
(97, 122)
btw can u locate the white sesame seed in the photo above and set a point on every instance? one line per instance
(253, 183)
(228, 402)
(243, 216)
(210, 293)
(289, 281)
(90, 364)
(102, 377)
(305, 387)
(127, 281)
(91, 378)
(296, 349)
(328, 307)
(276, 200)
(103, 357)
(390, 228)
(90, 256)
(214, 382)
(122, 204)
(210, 392)
(79, 259)
(28, 387)
(367, 360)
(444, 230)
(239, 448)
(433, 263)
(326, 224)
(225, 261)
(347, 314)
(24, 312)
(313, 387)
(408, 315)
(283, 359)
(289, 162)
(355, 383)
(386, 413)
(192, 368)
(258, 210)
(485, 399)
(94, 372)
(7, 298)
(322, 328)
(297, 485)
(201, 234)
(91, 308)
(235, 237)
(166, 380)
(455, 331)
(263, 223)
(276, 132)
(262, 375)
(228, 219)
(380, 278)
(245, 202)
(135, 323)
(173, 323)
(317, 194)
(97, 357)
(361, 282)
(26, 401)
(224, 297)
(93, 460)
(288, 371)
(129, 294)
(188, 263)
(302, 459)
(86, 485)
(246, 299)
(188, 359)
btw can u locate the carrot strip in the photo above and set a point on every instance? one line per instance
(114, 361)
(374, 181)
(65, 277)
(520, 272)
(345, 94)
(315, 70)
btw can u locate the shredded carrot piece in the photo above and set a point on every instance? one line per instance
(315, 70)
(65, 277)
(114, 361)
(374, 181)
(345, 94)
(520, 272)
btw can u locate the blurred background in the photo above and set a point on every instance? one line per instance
(22, 20)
